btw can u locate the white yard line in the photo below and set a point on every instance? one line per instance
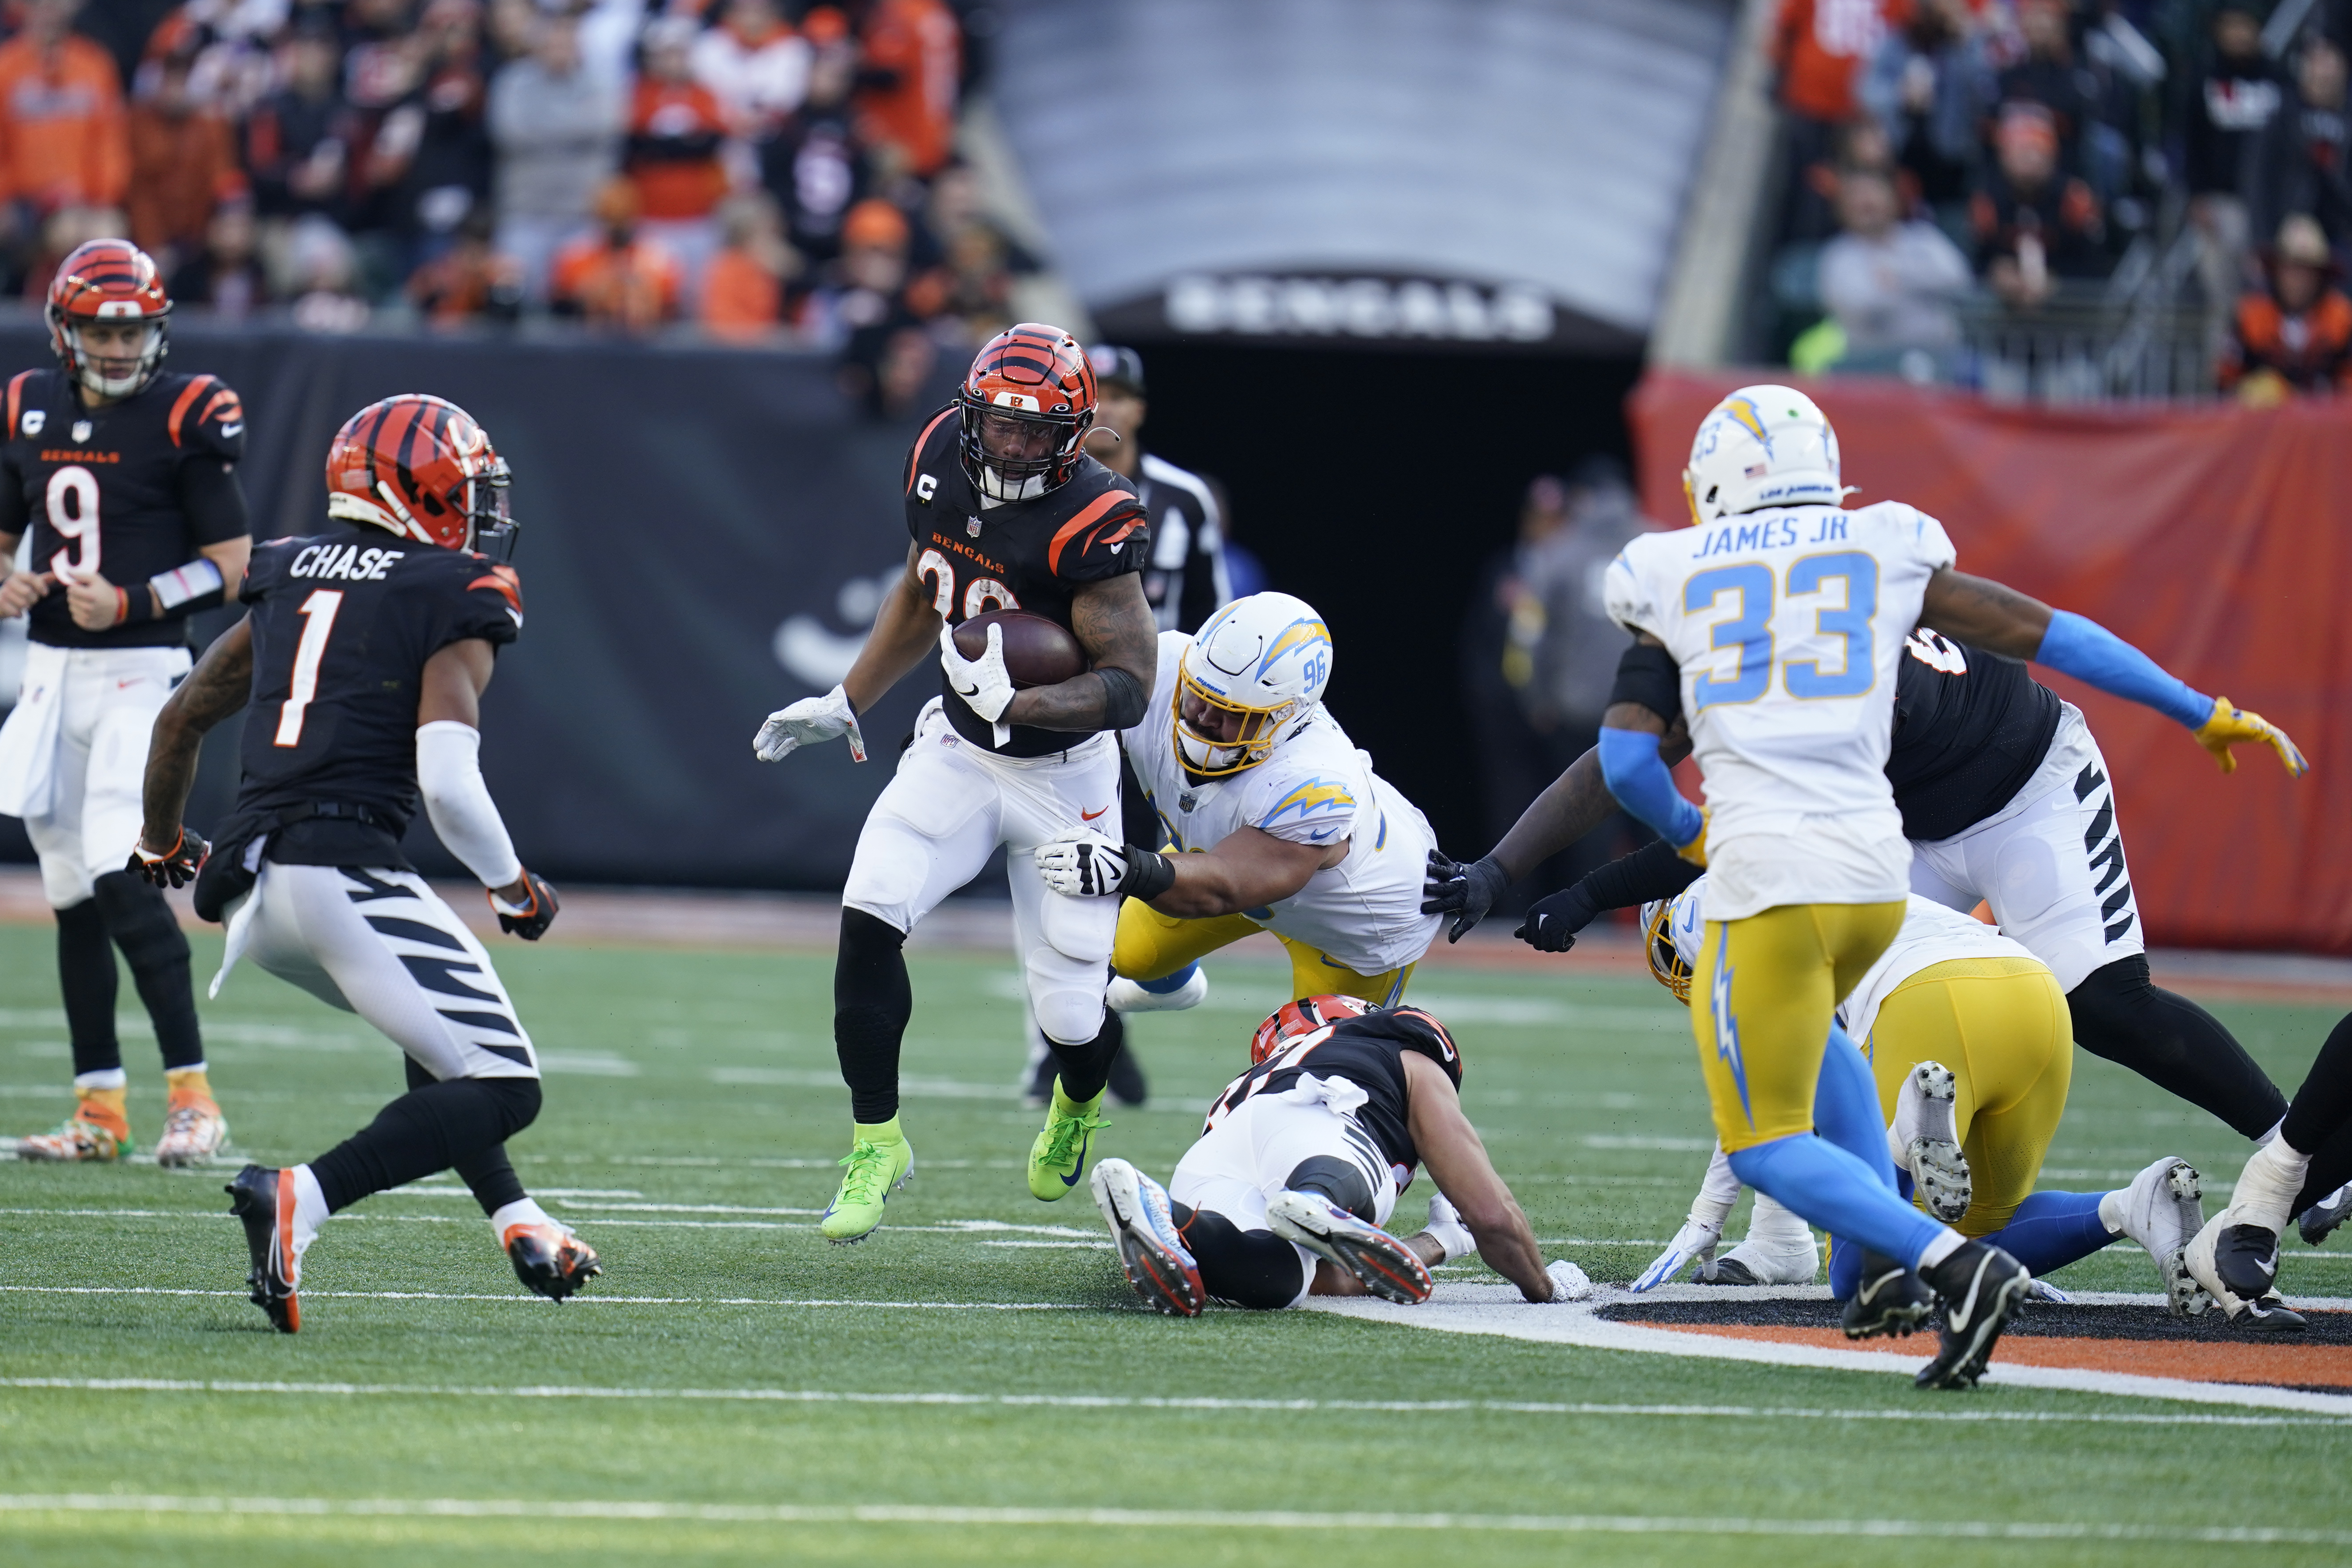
(590, 1299)
(1498, 1310)
(1148, 1402)
(1156, 1519)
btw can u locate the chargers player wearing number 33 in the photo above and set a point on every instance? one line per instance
(1776, 623)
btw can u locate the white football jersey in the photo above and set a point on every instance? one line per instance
(1315, 787)
(1932, 933)
(1787, 624)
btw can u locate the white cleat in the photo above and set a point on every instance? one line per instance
(1926, 1140)
(1383, 1264)
(2163, 1210)
(1126, 996)
(194, 1132)
(1767, 1262)
(2261, 1311)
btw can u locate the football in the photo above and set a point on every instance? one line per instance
(1037, 652)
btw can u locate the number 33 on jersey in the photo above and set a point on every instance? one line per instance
(1787, 624)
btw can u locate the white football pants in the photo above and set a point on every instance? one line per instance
(73, 756)
(381, 944)
(943, 814)
(2051, 862)
(1247, 1158)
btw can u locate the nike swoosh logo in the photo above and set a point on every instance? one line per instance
(1090, 816)
(236, 429)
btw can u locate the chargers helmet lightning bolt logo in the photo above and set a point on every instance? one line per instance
(1726, 1030)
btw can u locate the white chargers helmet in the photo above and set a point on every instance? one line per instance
(1252, 668)
(1671, 933)
(1762, 446)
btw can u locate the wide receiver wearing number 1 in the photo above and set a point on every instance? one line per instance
(1005, 513)
(364, 659)
(127, 478)
(1776, 624)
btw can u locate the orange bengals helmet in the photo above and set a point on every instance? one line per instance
(108, 280)
(420, 467)
(1028, 401)
(1305, 1016)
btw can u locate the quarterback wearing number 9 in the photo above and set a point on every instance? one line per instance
(1776, 624)
(125, 476)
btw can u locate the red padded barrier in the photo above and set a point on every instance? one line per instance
(2218, 539)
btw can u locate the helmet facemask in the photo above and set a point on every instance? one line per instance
(484, 498)
(1231, 738)
(1017, 454)
(154, 343)
(1666, 963)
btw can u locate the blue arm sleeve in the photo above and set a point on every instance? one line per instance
(1643, 786)
(2097, 656)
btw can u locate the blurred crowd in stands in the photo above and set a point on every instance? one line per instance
(1958, 161)
(764, 172)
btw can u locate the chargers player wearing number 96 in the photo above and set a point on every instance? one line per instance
(1776, 623)
(126, 478)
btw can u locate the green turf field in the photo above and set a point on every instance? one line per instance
(692, 1116)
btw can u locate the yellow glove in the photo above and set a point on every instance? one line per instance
(1695, 851)
(2234, 726)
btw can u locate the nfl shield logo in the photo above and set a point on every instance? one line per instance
(972, 527)
(1185, 801)
(81, 430)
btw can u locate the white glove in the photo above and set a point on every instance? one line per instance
(983, 682)
(1697, 1240)
(1445, 1228)
(1569, 1282)
(805, 722)
(1088, 865)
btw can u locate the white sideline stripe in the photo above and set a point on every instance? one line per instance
(1482, 1309)
(1156, 1519)
(602, 1301)
(1148, 1402)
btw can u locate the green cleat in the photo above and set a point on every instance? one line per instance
(880, 1161)
(1058, 1158)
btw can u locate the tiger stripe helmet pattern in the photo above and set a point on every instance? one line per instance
(108, 280)
(1030, 395)
(1305, 1016)
(420, 466)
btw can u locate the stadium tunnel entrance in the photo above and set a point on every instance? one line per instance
(1377, 486)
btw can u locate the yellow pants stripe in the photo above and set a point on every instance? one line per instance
(1151, 945)
(2002, 1027)
(1761, 1002)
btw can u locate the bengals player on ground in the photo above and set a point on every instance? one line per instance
(126, 476)
(1005, 511)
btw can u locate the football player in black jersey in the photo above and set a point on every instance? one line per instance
(1299, 1167)
(126, 478)
(2005, 797)
(363, 660)
(1006, 512)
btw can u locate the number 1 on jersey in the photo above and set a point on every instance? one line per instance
(318, 613)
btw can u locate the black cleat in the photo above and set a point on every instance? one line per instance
(1980, 1286)
(1891, 1299)
(2247, 1258)
(2238, 1264)
(264, 1199)
(1127, 1085)
(1728, 1271)
(2319, 1221)
(550, 1260)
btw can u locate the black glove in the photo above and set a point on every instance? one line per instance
(1552, 923)
(176, 868)
(1464, 892)
(530, 924)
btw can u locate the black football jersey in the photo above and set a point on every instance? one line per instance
(1971, 728)
(127, 491)
(1014, 555)
(342, 624)
(1368, 1051)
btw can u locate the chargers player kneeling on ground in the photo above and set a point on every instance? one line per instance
(1278, 823)
(364, 662)
(1968, 1138)
(1300, 1166)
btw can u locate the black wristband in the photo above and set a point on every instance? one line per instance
(1148, 875)
(1124, 698)
(138, 603)
(1648, 676)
